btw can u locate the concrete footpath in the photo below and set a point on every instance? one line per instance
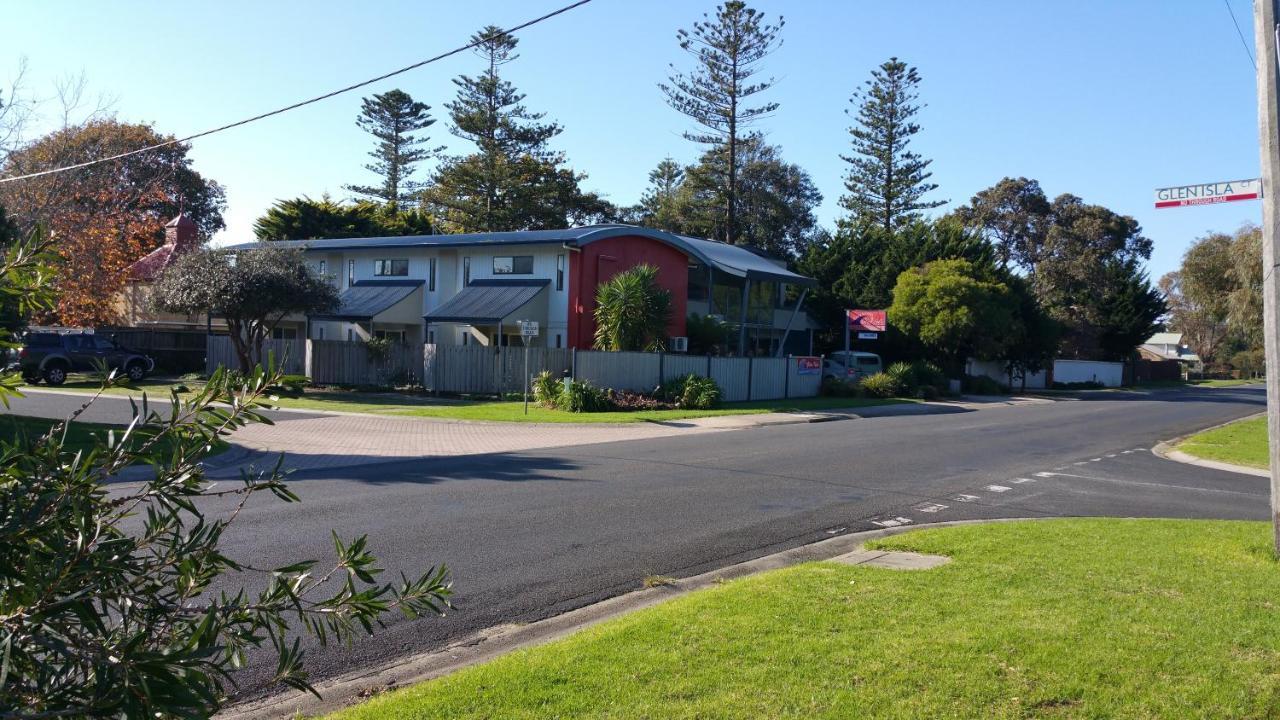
(319, 440)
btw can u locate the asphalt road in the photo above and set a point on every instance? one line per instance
(534, 534)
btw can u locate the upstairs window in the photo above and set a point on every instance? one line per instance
(323, 267)
(466, 271)
(513, 265)
(559, 274)
(431, 275)
(351, 273)
(391, 268)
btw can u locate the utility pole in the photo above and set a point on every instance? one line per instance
(1264, 29)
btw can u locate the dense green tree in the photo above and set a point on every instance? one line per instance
(306, 219)
(251, 290)
(394, 119)
(1215, 296)
(1129, 310)
(513, 181)
(661, 202)
(1015, 216)
(632, 311)
(1033, 343)
(887, 182)
(728, 50)
(776, 200)
(116, 601)
(858, 266)
(956, 311)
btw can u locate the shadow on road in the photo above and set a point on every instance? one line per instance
(382, 470)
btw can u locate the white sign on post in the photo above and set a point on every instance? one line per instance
(528, 329)
(1209, 193)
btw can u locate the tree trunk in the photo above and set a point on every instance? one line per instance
(236, 333)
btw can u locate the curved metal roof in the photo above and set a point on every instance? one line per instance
(731, 259)
(367, 298)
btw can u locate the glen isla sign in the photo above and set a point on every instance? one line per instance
(1209, 193)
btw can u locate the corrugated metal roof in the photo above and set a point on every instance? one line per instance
(1165, 338)
(731, 259)
(367, 298)
(487, 301)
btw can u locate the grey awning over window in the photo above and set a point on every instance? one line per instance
(368, 298)
(487, 301)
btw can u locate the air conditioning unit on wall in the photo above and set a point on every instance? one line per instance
(679, 344)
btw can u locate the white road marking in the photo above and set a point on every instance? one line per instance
(1019, 481)
(1048, 474)
(1082, 462)
(931, 507)
(892, 522)
(997, 488)
(965, 498)
(1125, 452)
(1095, 460)
(836, 531)
(1111, 455)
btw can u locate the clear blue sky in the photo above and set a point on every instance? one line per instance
(1107, 100)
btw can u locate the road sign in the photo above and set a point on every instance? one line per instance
(528, 328)
(1209, 193)
(866, 320)
(808, 366)
(868, 336)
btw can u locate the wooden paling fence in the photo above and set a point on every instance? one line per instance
(484, 370)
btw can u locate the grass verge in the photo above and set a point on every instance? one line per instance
(485, 410)
(1243, 443)
(80, 435)
(1071, 618)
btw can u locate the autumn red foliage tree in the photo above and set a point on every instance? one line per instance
(106, 216)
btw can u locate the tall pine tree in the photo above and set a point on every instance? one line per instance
(727, 49)
(886, 181)
(393, 118)
(513, 181)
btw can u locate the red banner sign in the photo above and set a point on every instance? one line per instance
(867, 320)
(808, 366)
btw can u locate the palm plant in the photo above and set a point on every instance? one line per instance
(632, 311)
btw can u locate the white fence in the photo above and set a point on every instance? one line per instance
(1110, 374)
(996, 371)
(484, 370)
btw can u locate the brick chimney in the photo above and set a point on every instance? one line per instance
(180, 233)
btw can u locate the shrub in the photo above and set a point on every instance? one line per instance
(290, 385)
(1085, 385)
(839, 387)
(690, 391)
(928, 392)
(904, 374)
(630, 401)
(983, 385)
(880, 385)
(700, 393)
(581, 396)
(927, 373)
(547, 388)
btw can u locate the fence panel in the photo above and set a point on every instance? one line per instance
(808, 385)
(290, 354)
(619, 370)
(338, 362)
(1110, 374)
(460, 369)
(557, 361)
(769, 378)
(678, 366)
(731, 375)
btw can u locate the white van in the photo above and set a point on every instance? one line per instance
(851, 365)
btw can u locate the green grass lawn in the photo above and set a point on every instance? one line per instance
(80, 435)
(506, 411)
(1057, 619)
(487, 410)
(1242, 443)
(1226, 383)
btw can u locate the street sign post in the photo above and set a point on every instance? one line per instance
(528, 329)
(1208, 193)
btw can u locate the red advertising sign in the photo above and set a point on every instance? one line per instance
(808, 366)
(867, 320)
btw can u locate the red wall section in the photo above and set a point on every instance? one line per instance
(600, 260)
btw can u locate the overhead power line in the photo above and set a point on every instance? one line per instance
(297, 105)
(1244, 43)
